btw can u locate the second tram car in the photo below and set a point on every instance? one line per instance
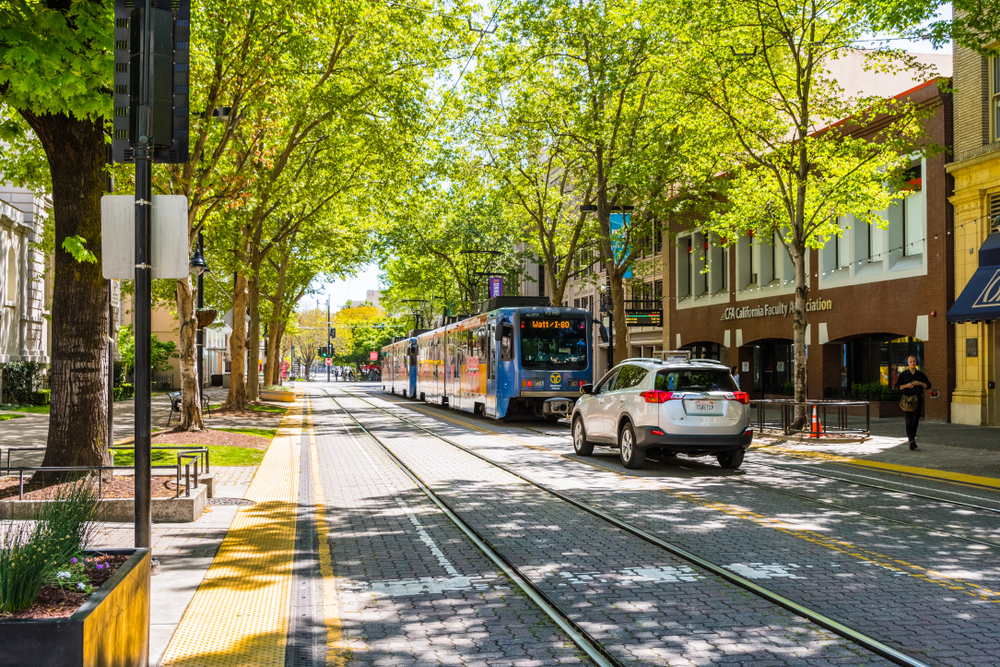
(512, 360)
(399, 372)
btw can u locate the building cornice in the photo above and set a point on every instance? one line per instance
(991, 153)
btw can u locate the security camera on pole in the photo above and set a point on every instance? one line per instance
(151, 111)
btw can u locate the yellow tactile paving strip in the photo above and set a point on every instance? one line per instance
(336, 648)
(891, 467)
(239, 615)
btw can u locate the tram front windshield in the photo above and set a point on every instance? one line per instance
(553, 341)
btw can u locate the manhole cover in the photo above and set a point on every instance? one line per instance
(240, 502)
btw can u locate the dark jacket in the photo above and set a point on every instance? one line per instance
(906, 377)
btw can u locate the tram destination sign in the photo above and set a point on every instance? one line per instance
(644, 318)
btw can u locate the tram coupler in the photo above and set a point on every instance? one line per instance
(557, 407)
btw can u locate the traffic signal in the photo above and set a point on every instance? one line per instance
(333, 332)
(322, 352)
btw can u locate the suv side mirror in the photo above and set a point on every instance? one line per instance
(587, 389)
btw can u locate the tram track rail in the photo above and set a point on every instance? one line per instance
(890, 489)
(855, 636)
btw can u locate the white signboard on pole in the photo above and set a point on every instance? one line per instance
(168, 236)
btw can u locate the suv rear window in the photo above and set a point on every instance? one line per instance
(707, 379)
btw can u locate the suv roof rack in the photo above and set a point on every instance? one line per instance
(651, 360)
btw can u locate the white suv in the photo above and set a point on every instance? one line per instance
(678, 407)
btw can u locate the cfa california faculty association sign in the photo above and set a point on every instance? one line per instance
(768, 310)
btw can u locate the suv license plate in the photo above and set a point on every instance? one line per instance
(704, 406)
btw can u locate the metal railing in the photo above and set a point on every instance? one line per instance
(195, 455)
(840, 423)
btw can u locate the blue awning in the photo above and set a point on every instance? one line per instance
(980, 300)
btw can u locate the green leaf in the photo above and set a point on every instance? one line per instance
(76, 246)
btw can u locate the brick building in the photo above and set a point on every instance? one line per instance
(976, 199)
(875, 295)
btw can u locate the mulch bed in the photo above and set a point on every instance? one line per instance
(56, 602)
(119, 487)
(208, 437)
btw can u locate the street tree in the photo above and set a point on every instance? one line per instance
(56, 71)
(309, 336)
(443, 239)
(356, 109)
(360, 331)
(760, 67)
(596, 81)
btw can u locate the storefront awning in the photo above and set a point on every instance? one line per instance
(980, 300)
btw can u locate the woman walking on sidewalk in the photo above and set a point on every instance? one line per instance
(913, 382)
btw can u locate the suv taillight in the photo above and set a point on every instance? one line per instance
(742, 397)
(657, 396)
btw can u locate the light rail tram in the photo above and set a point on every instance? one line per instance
(521, 357)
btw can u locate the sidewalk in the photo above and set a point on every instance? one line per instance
(945, 450)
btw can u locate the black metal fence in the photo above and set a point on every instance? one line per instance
(831, 417)
(186, 458)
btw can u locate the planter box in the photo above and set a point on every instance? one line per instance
(122, 510)
(279, 396)
(111, 629)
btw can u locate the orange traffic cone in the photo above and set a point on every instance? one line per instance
(817, 426)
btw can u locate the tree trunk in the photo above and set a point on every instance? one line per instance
(799, 322)
(253, 339)
(618, 316)
(190, 387)
(237, 397)
(271, 370)
(78, 418)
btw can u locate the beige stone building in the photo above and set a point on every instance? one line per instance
(976, 201)
(25, 332)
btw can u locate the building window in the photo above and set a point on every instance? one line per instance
(995, 213)
(684, 251)
(995, 98)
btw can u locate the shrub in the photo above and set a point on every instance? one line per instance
(274, 387)
(20, 379)
(41, 397)
(31, 551)
(124, 392)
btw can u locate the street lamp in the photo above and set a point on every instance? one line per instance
(199, 267)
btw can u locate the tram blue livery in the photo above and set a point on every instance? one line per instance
(518, 360)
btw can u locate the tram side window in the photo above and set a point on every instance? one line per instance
(507, 343)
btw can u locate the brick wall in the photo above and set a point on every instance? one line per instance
(971, 101)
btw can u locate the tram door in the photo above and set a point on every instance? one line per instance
(491, 370)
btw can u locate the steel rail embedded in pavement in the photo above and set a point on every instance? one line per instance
(594, 650)
(859, 638)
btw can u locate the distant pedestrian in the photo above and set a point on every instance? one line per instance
(736, 375)
(912, 382)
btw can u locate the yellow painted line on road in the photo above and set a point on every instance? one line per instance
(239, 615)
(811, 536)
(336, 648)
(912, 471)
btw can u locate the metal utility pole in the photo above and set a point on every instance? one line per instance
(328, 343)
(150, 82)
(151, 45)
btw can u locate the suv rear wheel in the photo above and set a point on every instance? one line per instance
(580, 444)
(731, 460)
(632, 456)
